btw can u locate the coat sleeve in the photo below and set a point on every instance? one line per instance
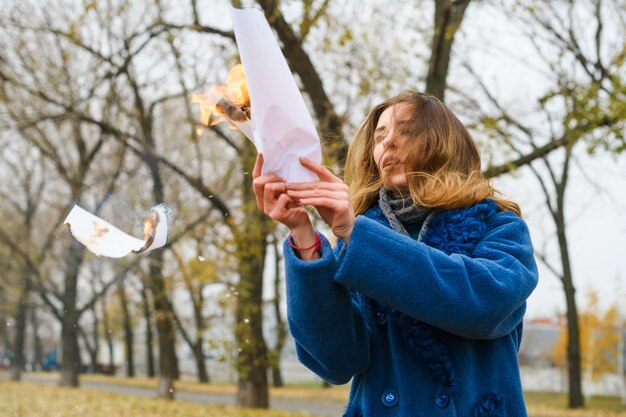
(481, 296)
(329, 329)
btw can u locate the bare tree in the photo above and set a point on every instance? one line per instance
(576, 109)
(44, 133)
(25, 208)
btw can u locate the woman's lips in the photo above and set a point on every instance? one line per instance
(390, 164)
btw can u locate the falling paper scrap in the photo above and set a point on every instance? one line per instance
(104, 239)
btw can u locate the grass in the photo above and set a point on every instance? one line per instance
(17, 400)
(34, 400)
(545, 404)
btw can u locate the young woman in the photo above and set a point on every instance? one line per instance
(421, 301)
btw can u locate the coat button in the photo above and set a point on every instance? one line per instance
(442, 399)
(390, 398)
(380, 317)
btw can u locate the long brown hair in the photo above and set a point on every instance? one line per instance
(445, 171)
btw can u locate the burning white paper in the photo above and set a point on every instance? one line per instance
(282, 127)
(227, 102)
(104, 239)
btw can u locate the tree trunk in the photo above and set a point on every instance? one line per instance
(96, 338)
(108, 336)
(198, 304)
(574, 365)
(195, 344)
(576, 398)
(163, 312)
(199, 320)
(252, 361)
(37, 348)
(203, 373)
(277, 375)
(168, 363)
(281, 328)
(70, 357)
(6, 339)
(128, 331)
(93, 353)
(71, 363)
(18, 362)
(448, 18)
(149, 338)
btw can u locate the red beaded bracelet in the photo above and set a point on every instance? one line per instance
(317, 245)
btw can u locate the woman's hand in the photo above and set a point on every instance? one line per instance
(330, 197)
(271, 198)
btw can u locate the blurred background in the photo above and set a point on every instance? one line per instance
(96, 108)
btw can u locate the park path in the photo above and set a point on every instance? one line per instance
(319, 407)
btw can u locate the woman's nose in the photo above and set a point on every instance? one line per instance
(388, 141)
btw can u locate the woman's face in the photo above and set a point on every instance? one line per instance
(393, 127)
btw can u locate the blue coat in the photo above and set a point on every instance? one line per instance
(427, 327)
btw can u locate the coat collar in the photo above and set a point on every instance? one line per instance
(453, 231)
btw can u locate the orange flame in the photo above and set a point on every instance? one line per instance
(150, 224)
(235, 92)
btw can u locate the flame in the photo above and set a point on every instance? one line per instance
(150, 224)
(236, 86)
(235, 91)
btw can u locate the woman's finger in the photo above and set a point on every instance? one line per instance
(259, 183)
(281, 207)
(327, 202)
(287, 212)
(266, 179)
(337, 195)
(324, 173)
(271, 193)
(258, 166)
(338, 186)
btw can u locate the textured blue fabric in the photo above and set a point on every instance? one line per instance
(454, 302)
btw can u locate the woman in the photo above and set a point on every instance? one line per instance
(421, 301)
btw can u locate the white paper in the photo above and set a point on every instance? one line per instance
(282, 127)
(104, 239)
(245, 127)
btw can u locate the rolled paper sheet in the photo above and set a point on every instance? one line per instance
(282, 127)
(104, 239)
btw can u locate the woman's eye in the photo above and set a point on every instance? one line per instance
(379, 138)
